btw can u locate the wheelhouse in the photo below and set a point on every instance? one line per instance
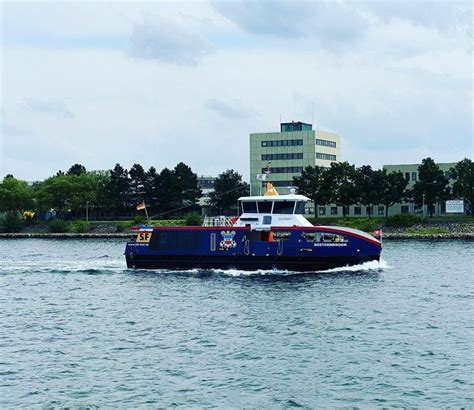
(263, 212)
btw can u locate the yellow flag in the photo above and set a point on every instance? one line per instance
(270, 190)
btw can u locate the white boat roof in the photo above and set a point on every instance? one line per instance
(272, 198)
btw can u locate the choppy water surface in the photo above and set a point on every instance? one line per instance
(79, 329)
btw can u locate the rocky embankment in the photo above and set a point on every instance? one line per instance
(431, 230)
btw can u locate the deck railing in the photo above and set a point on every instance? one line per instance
(217, 221)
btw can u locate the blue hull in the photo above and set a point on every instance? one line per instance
(246, 263)
(306, 249)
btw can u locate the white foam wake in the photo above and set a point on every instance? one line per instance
(372, 266)
(363, 267)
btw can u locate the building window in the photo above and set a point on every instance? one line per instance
(413, 176)
(357, 210)
(407, 176)
(295, 126)
(282, 143)
(333, 210)
(326, 143)
(284, 170)
(282, 183)
(286, 155)
(381, 210)
(447, 174)
(322, 210)
(405, 209)
(368, 210)
(327, 157)
(346, 210)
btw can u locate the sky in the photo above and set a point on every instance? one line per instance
(156, 83)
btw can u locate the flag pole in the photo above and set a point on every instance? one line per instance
(146, 212)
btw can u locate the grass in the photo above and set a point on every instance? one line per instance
(427, 231)
(130, 222)
(363, 224)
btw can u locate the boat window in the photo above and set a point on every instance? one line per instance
(267, 220)
(300, 207)
(250, 207)
(281, 235)
(213, 242)
(309, 236)
(323, 237)
(283, 207)
(264, 207)
(240, 207)
(175, 240)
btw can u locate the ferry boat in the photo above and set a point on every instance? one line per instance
(271, 232)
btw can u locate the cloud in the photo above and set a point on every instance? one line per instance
(326, 21)
(229, 110)
(433, 14)
(47, 107)
(395, 89)
(167, 41)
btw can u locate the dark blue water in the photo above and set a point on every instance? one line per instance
(78, 329)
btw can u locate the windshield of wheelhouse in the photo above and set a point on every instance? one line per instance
(264, 207)
(283, 207)
(300, 208)
(249, 207)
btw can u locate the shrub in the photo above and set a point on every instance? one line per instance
(81, 226)
(58, 226)
(138, 220)
(169, 222)
(28, 217)
(121, 226)
(364, 224)
(193, 219)
(403, 220)
(10, 221)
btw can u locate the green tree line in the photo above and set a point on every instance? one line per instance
(344, 184)
(174, 192)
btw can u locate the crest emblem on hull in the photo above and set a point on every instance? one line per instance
(228, 240)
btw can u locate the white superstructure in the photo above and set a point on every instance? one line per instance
(266, 211)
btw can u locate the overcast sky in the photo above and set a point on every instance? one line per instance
(157, 83)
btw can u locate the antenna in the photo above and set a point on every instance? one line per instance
(312, 110)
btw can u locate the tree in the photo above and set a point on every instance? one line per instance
(15, 194)
(463, 175)
(431, 185)
(137, 183)
(188, 191)
(77, 169)
(167, 190)
(339, 183)
(117, 189)
(101, 180)
(369, 185)
(311, 183)
(228, 188)
(152, 184)
(83, 191)
(392, 189)
(53, 193)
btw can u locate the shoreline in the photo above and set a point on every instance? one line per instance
(119, 235)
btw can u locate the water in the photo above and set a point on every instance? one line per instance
(78, 329)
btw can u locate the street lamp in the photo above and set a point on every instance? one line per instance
(423, 207)
(87, 211)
